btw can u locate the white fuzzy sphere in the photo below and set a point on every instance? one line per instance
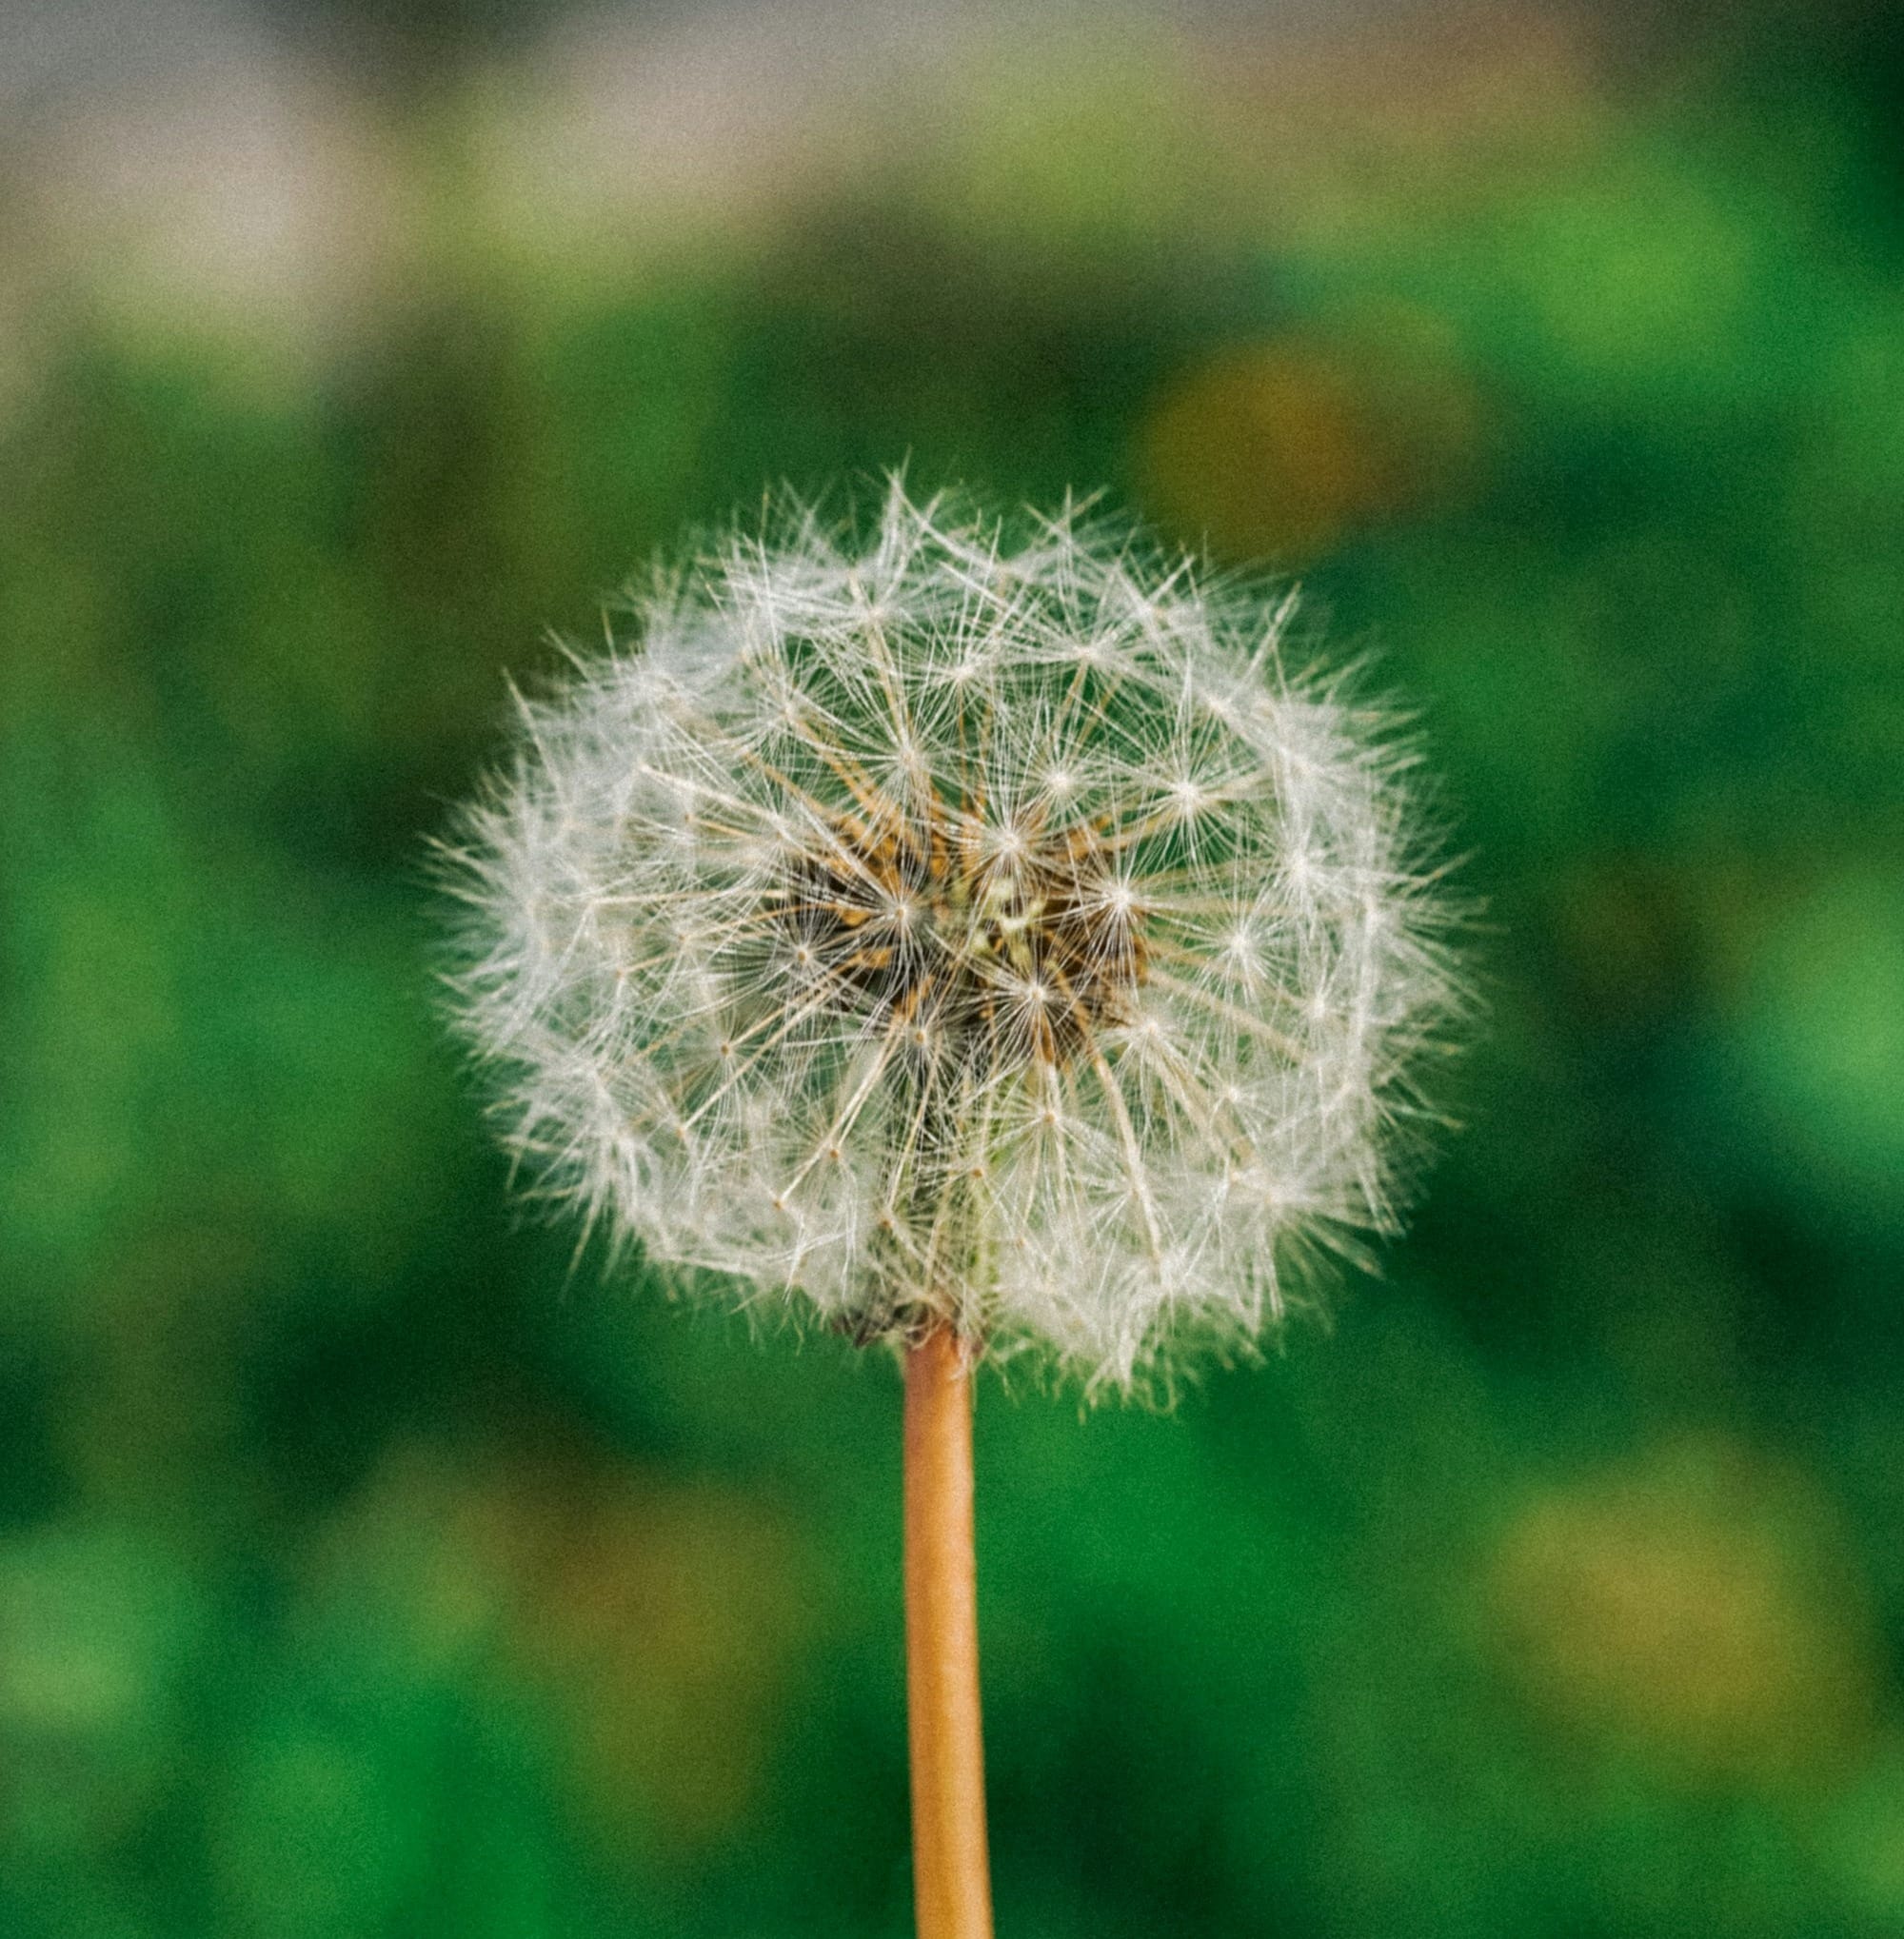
(930, 929)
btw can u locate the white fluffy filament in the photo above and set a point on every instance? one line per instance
(932, 930)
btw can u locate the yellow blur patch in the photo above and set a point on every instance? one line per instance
(1281, 450)
(1693, 1611)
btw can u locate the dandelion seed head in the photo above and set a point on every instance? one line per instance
(930, 929)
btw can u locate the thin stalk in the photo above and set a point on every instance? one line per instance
(951, 1873)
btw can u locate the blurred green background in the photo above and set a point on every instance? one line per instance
(365, 1569)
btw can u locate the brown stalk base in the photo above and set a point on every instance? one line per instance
(952, 1891)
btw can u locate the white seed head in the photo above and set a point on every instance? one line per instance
(931, 929)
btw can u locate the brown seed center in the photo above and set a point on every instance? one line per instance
(998, 945)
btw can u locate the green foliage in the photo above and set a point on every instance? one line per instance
(368, 1568)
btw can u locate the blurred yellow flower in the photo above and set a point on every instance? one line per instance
(1691, 1610)
(1281, 450)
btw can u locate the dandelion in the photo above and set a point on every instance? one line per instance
(979, 947)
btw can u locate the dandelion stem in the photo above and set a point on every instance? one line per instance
(951, 1872)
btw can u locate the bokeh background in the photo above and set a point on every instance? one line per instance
(368, 1568)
